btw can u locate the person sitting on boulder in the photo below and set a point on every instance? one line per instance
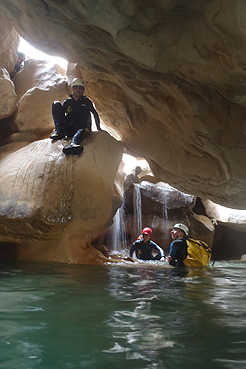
(143, 247)
(20, 58)
(178, 248)
(73, 118)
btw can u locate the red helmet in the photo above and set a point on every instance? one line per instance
(147, 230)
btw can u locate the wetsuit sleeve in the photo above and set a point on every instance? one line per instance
(96, 116)
(158, 248)
(178, 252)
(173, 250)
(173, 253)
(132, 250)
(65, 105)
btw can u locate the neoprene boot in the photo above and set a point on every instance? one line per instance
(73, 149)
(57, 136)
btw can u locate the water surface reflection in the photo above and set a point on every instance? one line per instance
(180, 317)
(146, 316)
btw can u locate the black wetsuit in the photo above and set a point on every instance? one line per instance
(77, 113)
(73, 117)
(144, 250)
(178, 252)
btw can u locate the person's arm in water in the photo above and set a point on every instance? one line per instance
(178, 252)
(133, 248)
(172, 255)
(159, 249)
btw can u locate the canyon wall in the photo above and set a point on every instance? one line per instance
(169, 77)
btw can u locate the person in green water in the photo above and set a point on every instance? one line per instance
(178, 248)
(143, 247)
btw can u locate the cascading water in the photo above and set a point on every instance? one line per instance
(119, 241)
(164, 214)
(137, 210)
(119, 236)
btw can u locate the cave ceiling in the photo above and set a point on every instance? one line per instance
(168, 76)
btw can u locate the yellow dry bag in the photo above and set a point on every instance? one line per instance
(199, 254)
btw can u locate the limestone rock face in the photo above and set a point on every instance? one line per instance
(38, 73)
(8, 97)
(232, 218)
(157, 199)
(53, 206)
(38, 84)
(168, 76)
(9, 41)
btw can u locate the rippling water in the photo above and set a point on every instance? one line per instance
(147, 316)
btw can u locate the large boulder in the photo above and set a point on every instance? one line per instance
(8, 98)
(53, 206)
(41, 74)
(38, 84)
(9, 41)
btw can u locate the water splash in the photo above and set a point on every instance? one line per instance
(137, 210)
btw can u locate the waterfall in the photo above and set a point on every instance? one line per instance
(164, 215)
(137, 210)
(119, 240)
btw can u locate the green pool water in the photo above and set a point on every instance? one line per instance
(55, 316)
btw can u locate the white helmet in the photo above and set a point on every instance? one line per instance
(183, 227)
(77, 82)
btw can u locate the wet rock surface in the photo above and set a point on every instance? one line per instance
(53, 206)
